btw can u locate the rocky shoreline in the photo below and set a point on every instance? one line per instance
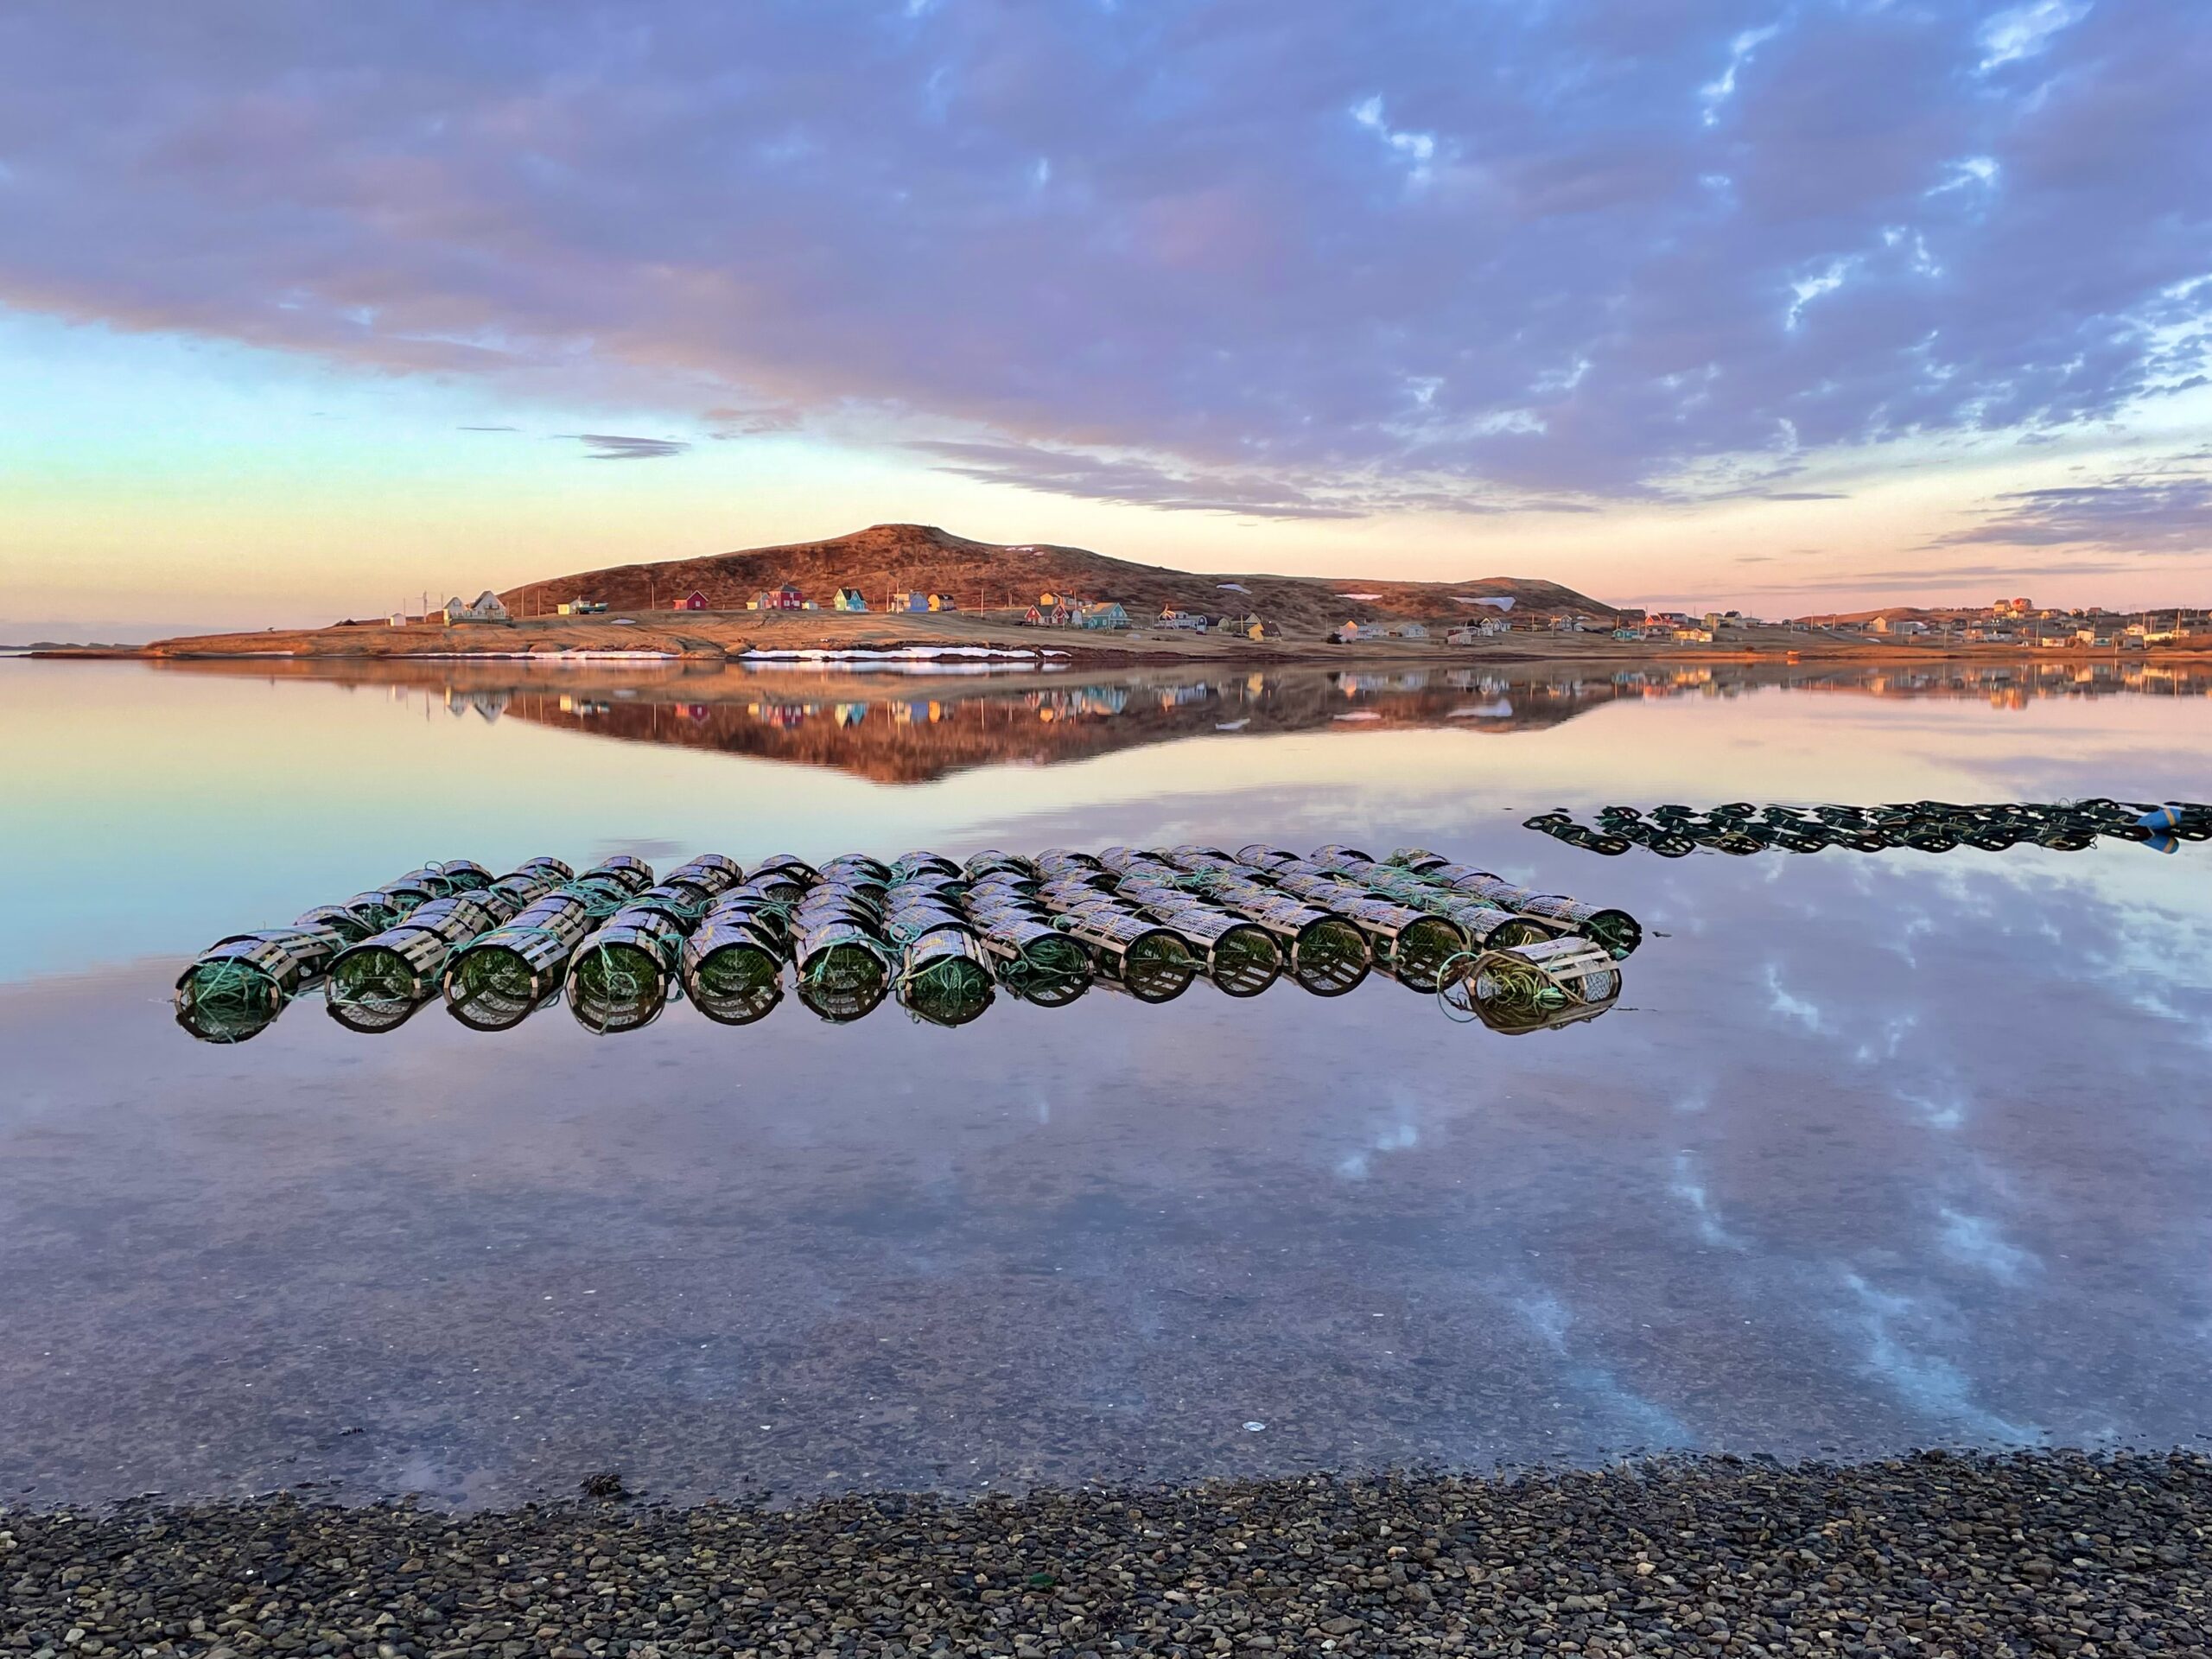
(1930, 1554)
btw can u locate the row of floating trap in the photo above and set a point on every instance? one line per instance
(1924, 826)
(942, 938)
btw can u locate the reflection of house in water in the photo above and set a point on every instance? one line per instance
(1071, 701)
(1468, 679)
(1358, 685)
(491, 703)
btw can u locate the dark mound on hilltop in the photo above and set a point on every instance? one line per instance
(887, 559)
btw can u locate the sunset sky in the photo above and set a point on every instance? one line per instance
(1789, 304)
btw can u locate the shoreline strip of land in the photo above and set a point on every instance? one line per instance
(1932, 1553)
(718, 637)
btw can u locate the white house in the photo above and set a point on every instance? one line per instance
(486, 608)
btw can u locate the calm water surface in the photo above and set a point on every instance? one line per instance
(1876, 1152)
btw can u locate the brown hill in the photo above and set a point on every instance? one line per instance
(886, 558)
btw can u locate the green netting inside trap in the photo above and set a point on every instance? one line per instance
(617, 985)
(375, 988)
(377, 978)
(949, 992)
(1422, 948)
(1244, 961)
(844, 980)
(493, 989)
(227, 1002)
(1510, 991)
(736, 984)
(1519, 930)
(1048, 972)
(1157, 967)
(230, 987)
(736, 971)
(1329, 956)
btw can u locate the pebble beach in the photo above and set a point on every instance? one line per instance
(1933, 1554)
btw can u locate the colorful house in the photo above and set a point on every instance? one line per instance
(694, 600)
(1107, 616)
(1192, 621)
(786, 598)
(851, 599)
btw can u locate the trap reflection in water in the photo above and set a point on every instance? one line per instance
(1741, 829)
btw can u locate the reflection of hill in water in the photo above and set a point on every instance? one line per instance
(910, 728)
(919, 730)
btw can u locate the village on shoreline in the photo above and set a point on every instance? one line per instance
(786, 622)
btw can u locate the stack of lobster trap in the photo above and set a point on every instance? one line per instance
(942, 938)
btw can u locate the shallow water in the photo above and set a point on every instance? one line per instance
(1875, 1152)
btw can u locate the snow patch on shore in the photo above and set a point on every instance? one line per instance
(878, 665)
(897, 653)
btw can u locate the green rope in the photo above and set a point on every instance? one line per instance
(1458, 1014)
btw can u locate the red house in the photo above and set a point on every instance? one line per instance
(695, 601)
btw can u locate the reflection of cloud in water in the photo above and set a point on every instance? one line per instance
(1944, 1108)
(1928, 1384)
(1547, 1316)
(1790, 1007)
(1903, 932)
(1690, 1189)
(1402, 1135)
(1975, 1241)
(1895, 1029)
(1638, 1419)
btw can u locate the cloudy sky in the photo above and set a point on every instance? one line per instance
(1792, 303)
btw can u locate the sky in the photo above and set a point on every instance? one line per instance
(1793, 305)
